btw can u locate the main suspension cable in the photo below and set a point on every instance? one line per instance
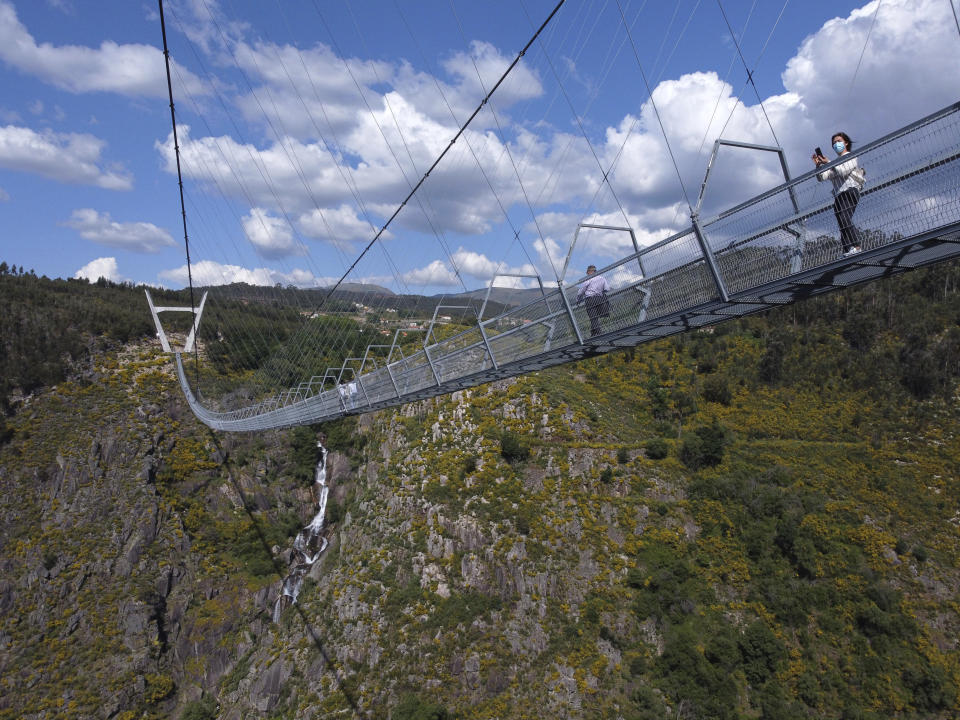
(864, 48)
(183, 209)
(749, 71)
(446, 149)
(653, 103)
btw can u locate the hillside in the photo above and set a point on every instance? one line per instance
(755, 520)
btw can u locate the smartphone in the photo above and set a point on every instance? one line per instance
(819, 152)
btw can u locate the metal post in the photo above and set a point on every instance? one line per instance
(486, 342)
(386, 364)
(573, 319)
(708, 256)
(393, 380)
(188, 347)
(426, 352)
(795, 262)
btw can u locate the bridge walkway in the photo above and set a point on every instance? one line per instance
(777, 248)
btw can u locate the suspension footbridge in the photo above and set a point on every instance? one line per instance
(779, 247)
(775, 249)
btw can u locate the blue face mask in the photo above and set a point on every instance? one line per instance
(839, 147)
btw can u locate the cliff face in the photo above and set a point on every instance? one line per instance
(612, 539)
(120, 525)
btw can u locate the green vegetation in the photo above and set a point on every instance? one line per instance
(756, 520)
(205, 709)
(512, 447)
(411, 707)
(704, 446)
(48, 327)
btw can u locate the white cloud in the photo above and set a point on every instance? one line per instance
(487, 61)
(258, 175)
(134, 236)
(209, 273)
(480, 266)
(126, 69)
(436, 273)
(312, 91)
(339, 225)
(477, 265)
(551, 254)
(105, 267)
(271, 236)
(65, 157)
(4, 195)
(897, 81)
(906, 71)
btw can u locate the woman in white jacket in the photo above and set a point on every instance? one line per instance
(847, 179)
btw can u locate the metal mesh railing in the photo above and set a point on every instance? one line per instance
(912, 190)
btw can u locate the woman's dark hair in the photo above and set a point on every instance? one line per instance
(846, 139)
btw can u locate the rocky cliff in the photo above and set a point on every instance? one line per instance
(612, 539)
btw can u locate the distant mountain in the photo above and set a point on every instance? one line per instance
(509, 297)
(362, 288)
(241, 289)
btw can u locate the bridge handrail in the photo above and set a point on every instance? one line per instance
(673, 275)
(864, 149)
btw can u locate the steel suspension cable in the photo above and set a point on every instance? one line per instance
(653, 103)
(346, 173)
(716, 105)
(607, 65)
(293, 354)
(183, 209)
(466, 138)
(864, 49)
(633, 126)
(450, 145)
(516, 172)
(749, 71)
(506, 151)
(759, 56)
(343, 334)
(277, 365)
(227, 161)
(576, 115)
(293, 160)
(438, 231)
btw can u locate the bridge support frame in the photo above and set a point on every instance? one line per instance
(486, 299)
(483, 334)
(155, 311)
(637, 255)
(591, 226)
(795, 262)
(367, 355)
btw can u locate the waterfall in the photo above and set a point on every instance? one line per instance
(309, 543)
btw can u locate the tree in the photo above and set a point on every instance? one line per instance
(512, 448)
(413, 708)
(704, 447)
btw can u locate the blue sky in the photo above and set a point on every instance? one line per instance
(301, 133)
